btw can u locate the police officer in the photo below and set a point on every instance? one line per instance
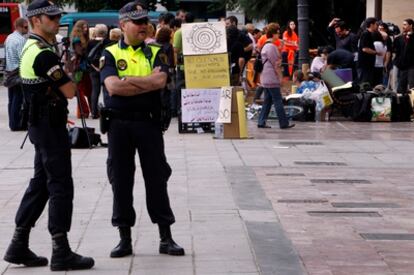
(46, 87)
(133, 74)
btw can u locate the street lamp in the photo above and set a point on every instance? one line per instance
(303, 22)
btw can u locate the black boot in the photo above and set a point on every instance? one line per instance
(124, 248)
(64, 259)
(19, 252)
(167, 244)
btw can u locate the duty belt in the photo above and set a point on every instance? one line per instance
(131, 116)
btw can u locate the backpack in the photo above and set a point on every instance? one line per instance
(95, 53)
(258, 63)
(78, 137)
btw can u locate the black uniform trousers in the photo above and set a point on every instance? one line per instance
(52, 180)
(124, 138)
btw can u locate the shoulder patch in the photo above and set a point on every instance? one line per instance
(101, 62)
(163, 58)
(55, 73)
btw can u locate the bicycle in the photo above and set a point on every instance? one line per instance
(291, 111)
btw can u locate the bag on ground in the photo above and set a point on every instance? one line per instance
(381, 109)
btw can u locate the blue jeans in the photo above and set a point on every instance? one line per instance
(273, 95)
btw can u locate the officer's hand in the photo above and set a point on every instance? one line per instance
(156, 70)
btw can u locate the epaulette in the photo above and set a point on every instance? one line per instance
(42, 45)
(155, 44)
(110, 44)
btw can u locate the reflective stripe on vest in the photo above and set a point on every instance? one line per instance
(29, 54)
(130, 62)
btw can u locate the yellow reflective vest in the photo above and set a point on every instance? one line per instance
(130, 62)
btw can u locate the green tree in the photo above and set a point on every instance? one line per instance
(96, 5)
(271, 10)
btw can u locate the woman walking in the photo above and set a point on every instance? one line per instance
(270, 79)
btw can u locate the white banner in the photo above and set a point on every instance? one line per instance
(224, 113)
(204, 38)
(200, 105)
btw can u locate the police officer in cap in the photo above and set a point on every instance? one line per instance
(46, 88)
(133, 74)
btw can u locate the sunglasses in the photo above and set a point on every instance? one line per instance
(143, 21)
(25, 27)
(53, 17)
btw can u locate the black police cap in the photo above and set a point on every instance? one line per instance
(38, 7)
(134, 11)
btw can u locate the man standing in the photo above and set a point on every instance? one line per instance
(46, 88)
(344, 38)
(133, 74)
(95, 48)
(367, 53)
(404, 57)
(13, 48)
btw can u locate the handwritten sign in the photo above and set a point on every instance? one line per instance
(207, 71)
(204, 38)
(200, 105)
(224, 112)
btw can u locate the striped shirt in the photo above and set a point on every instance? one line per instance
(13, 48)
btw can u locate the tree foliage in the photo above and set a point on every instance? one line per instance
(96, 5)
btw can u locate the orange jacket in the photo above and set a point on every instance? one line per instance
(290, 39)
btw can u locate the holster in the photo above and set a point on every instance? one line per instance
(104, 119)
(57, 112)
(33, 110)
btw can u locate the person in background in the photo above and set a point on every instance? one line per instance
(380, 47)
(79, 66)
(236, 51)
(175, 25)
(179, 60)
(115, 34)
(151, 33)
(164, 20)
(319, 62)
(262, 40)
(81, 30)
(97, 45)
(401, 60)
(250, 32)
(344, 38)
(180, 14)
(367, 53)
(270, 79)
(384, 30)
(244, 39)
(92, 33)
(256, 34)
(13, 49)
(290, 48)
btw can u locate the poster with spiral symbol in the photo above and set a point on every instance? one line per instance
(204, 38)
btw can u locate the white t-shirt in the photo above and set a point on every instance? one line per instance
(380, 48)
(317, 64)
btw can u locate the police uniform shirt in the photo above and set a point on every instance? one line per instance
(47, 66)
(140, 103)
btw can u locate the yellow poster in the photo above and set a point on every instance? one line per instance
(206, 71)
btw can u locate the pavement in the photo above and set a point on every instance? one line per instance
(327, 198)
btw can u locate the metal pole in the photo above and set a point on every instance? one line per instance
(378, 9)
(303, 22)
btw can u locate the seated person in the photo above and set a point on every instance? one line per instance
(319, 62)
